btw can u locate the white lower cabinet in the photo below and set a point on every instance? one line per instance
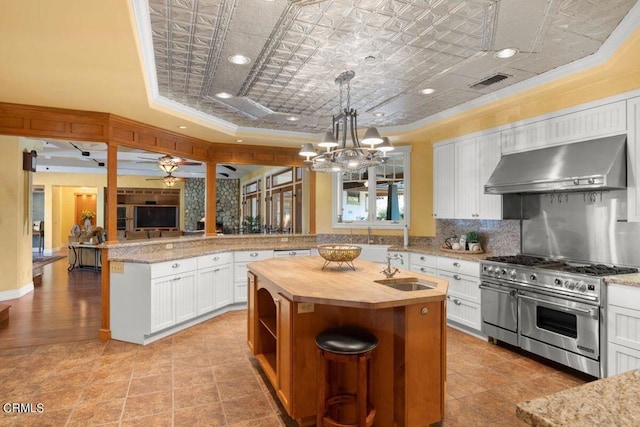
(162, 310)
(463, 305)
(422, 263)
(173, 297)
(215, 282)
(623, 329)
(241, 259)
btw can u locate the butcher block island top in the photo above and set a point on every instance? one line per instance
(302, 279)
(292, 300)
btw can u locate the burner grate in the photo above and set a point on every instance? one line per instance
(599, 270)
(526, 260)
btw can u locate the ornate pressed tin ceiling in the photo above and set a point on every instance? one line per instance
(396, 47)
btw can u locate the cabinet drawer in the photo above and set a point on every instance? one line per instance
(623, 296)
(213, 260)
(462, 286)
(178, 266)
(292, 252)
(250, 256)
(459, 266)
(422, 260)
(423, 270)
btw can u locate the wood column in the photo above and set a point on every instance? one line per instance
(210, 206)
(112, 235)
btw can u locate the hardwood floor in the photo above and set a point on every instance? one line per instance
(64, 308)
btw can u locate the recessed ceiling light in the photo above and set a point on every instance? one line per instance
(182, 127)
(293, 118)
(370, 59)
(379, 114)
(427, 91)
(239, 140)
(224, 95)
(506, 53)
(239, 59)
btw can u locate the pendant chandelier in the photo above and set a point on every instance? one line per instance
(338, 157)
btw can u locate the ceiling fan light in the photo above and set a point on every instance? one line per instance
(328, 140)
(372, 137)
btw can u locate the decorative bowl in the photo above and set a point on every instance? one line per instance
(340, 253)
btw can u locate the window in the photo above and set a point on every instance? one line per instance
(378, 196)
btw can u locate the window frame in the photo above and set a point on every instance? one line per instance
(336, 197)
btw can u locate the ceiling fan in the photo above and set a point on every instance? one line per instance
(168, 180)
(170, 163)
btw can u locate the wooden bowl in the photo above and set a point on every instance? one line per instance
(335, 252)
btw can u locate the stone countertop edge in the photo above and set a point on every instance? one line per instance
(613, 401)
(429, 250)
(624, 279)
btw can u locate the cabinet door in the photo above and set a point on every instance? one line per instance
(184, 294)
(443, 181)
(633, 162)
(466, 180)
(224, 285)
(621, 359)
(488, 149)
(162, 311)
(284, 350)
(206, 290)
(463, 312)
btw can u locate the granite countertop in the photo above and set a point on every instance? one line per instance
(430, 250)
(624, 279)
(613, 401)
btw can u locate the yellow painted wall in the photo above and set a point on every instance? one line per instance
(620, 74)
(15, 217)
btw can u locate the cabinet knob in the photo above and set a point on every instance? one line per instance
(456, 264)
(423, 258)
(456, 276)
(216, 270)
(253, 254)
(456, 302)
(424, 310)
(176, 265)
(292, 253)
(423, 269)
(276, 299)
(215, 258)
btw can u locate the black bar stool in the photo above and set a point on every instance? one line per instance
(346, 344)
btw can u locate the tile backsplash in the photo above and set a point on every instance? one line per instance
(495, 236)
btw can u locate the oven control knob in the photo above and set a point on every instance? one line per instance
(512, 274)
(489, 269)
(570, 285)
(533, 277)
(558, 282)
(582, 287)
(503, 271)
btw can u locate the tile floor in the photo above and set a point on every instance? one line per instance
(206, 376)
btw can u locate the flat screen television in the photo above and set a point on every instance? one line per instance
(150, 216)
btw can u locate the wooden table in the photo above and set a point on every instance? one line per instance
(291, 300)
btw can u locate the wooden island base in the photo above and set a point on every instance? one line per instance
(286, 310)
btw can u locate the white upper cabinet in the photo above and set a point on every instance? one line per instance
(595, 122)
(443, 180)
(460, 171)
(633, 160)
(489, 153)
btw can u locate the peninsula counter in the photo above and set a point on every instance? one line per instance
(292, 300)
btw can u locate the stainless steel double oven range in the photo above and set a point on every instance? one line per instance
(548, 307)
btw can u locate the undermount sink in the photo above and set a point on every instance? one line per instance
(407, 284)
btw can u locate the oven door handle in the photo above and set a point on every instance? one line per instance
(512, 292)
(591, 312)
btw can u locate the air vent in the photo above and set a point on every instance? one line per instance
(489, 81)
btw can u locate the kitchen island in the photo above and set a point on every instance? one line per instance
(292, 300)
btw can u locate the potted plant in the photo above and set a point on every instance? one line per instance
(473, 240)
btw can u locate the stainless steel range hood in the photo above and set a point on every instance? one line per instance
(598, 164)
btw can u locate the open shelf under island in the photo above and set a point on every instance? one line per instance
(292, 300)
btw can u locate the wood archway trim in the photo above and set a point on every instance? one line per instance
(79, 125)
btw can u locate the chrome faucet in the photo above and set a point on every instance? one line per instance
(389, 272)
(369, 236)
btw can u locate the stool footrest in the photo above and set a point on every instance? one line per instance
(346, 399)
